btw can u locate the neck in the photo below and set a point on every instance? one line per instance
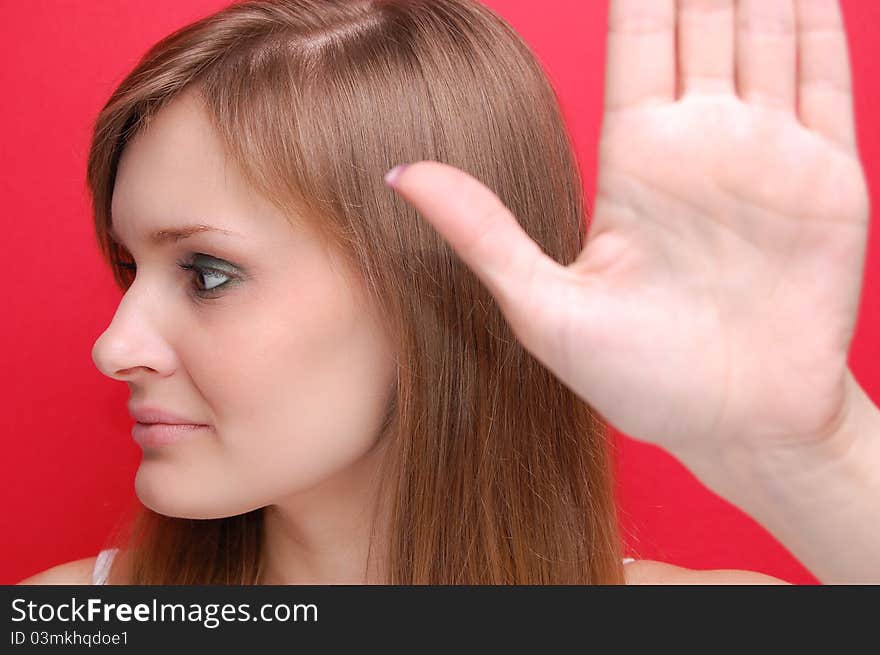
(327, 534)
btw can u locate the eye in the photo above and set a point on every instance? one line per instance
(125, 269)
(211, 278)
(216, 277)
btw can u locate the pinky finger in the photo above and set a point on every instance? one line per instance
(825, 80)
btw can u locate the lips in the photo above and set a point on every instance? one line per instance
(151, 415)
(152, 435)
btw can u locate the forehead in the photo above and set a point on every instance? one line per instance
(176, 173)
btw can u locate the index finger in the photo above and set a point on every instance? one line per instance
(640, 64)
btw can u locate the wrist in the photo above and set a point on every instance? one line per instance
(733, 469)
(820, 498)
(848, 450)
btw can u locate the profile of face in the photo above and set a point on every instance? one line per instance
(274, 348)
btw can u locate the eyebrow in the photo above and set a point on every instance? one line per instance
(173, 235)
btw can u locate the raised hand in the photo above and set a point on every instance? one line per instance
(715, 300)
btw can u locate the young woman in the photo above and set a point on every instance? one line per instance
(352, 394)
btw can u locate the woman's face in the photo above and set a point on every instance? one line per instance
(281, 358)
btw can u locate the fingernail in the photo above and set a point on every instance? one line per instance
(392, 175)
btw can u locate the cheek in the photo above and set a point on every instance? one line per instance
(299, 397)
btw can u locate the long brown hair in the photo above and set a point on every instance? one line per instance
(497, 472)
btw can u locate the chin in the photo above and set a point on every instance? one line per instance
(168, 497)
(165, 493)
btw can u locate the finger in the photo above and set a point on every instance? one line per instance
(481, 230)
(705, 46)
(766, 53)
(640, 53)
(825, 80)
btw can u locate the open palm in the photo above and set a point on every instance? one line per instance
(717, 294)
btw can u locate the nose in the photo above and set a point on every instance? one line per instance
(132, 346)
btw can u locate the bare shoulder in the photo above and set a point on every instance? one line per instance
(651, 572)
(77, 572)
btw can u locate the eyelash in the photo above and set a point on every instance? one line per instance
(204, 294)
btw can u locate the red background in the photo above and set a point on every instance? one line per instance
(68, 464)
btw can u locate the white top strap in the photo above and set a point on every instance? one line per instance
(627, 560)
(102, 565)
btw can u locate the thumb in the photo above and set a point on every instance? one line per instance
(481, 230)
